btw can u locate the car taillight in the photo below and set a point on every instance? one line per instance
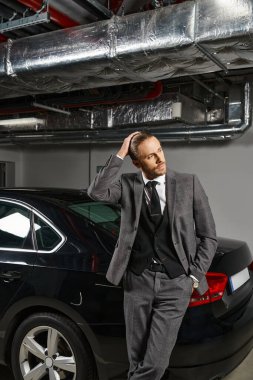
(217, 283)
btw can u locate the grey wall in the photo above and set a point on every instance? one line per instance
(225, 170)
(56, 166)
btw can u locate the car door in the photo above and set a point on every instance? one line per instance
(70, 271)
(105, 299)
(17, 254)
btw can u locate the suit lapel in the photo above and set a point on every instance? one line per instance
(138, 193)
(171, 194)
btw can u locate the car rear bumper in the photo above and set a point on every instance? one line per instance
(213, 370)
(217, 356)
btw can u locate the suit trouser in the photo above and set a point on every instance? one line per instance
(154, 306)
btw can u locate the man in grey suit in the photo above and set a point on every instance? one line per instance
(166, 243)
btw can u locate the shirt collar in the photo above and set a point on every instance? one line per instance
(160, 179)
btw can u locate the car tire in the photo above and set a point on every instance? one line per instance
(51, 346)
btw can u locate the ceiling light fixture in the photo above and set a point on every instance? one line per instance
(54, 109)
(22, 122)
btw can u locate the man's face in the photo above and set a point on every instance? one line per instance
(151, 158)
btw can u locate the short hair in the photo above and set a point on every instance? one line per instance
(136, 141)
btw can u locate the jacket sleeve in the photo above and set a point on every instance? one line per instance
(205, 231)
(104, 187)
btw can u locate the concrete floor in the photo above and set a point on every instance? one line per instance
(243, 372)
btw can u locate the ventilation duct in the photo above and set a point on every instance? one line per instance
(166, 109)
(114, 124)
(193, 37)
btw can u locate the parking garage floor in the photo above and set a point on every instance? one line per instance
(242, 372)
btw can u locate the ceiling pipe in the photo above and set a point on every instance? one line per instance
(166, 133)
(50, 108)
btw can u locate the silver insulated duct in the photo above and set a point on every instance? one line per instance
(190, 38)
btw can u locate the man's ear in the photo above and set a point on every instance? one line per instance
(136, 163)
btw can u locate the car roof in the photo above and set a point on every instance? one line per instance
(54, 195)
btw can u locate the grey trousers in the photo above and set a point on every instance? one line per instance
(154, 306)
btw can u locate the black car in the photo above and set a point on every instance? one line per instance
(62, 320)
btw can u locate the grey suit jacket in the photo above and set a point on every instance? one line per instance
(191, 222)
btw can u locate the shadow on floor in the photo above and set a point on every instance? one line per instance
(5, 373)
(243, 372)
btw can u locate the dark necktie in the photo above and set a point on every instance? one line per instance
(154, 200)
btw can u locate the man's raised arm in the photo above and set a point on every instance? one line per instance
(104, 187)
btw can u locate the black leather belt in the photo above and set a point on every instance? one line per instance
(156, 267)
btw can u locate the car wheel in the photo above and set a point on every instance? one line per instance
(50, 347)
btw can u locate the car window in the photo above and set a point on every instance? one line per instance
(102, 214)
(47, 238)
(14, 225)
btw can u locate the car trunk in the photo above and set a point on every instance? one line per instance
(233, 258)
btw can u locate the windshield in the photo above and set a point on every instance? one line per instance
(104, 215)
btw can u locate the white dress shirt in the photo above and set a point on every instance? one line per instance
(160, 187)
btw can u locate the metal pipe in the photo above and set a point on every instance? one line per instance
(165, 133)
(212, 58)
(54, 109)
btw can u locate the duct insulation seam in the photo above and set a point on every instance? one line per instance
(189, 38)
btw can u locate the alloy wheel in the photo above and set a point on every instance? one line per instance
(46, 354)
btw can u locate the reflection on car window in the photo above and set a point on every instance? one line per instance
(47, 238)
(103, 214)
(14, 225)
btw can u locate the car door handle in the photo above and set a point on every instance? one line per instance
(10, 276)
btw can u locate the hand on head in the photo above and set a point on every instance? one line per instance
(124, 150)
